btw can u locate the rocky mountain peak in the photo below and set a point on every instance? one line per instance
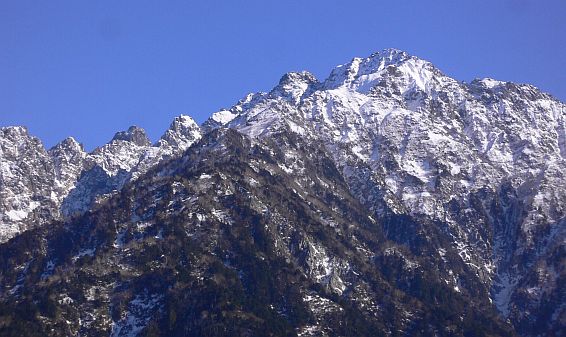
(16, 139)
(67, 152)
(361, 74)
(68, 158)
(26, 181)
(487, 83)
(14, 131)
(386, 57)
(183, 121)
(431, 141)
(294, 77)
(68, 144)
(134, 134)
(294, 84)
(388, 176)
(182, 132)
(224, 116)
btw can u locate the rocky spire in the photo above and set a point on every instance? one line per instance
(182, 132)
(134, 134)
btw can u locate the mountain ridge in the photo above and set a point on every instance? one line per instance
(466, 180)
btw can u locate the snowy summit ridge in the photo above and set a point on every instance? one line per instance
(440, 186)
(433, 143)
(41, 186)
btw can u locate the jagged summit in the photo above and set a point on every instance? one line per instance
(182, 132)
(68, 158)
(429, 142)
(383, 58)
(392, 54)
(134, 134)
(387, 179)
(66, 180)
(224, 116)
(361, 74)
(293, 85)
(183, 121)
(68, 143)
(22, 130)
(488, 83)
(14, 133)
(294, 76)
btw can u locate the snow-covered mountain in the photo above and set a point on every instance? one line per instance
(40, 186)
(386, 186)
(486, 159)
(27, 182)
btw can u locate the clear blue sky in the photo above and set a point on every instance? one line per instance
(91, 68)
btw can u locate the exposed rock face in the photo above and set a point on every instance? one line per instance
(226, 240)
(182, 133)
(106, 170)
(66, 181)
(482, 164)
(27, 182)
(69, 161)
(134, 135)
(387, 199)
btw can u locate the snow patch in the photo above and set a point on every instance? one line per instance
(223, 117)
(84, 252)
(502, 292)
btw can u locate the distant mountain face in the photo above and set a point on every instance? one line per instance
(39, 186)
(387, 199)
